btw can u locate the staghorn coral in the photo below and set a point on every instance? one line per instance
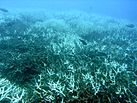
(51, 62)
(11, 93)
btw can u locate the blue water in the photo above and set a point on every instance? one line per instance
(68, 51)
(121, 9)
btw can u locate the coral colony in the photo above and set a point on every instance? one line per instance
(67, 58)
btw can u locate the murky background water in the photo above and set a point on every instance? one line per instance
(125, 9)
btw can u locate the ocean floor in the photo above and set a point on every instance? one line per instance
(72, 57)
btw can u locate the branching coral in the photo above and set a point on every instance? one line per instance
(10, 93)
(68, 59)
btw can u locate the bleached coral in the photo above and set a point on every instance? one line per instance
(69, 58)
(11, 93)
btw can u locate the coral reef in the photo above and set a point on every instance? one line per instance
(67, 58)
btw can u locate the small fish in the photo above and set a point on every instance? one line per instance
(83, 41)
(132, 57)
(3, 10)
(130, 25)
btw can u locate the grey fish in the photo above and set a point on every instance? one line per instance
(130, 25)
(83, 41)
(3, 10)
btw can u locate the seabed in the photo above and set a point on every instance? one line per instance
(72, 57)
